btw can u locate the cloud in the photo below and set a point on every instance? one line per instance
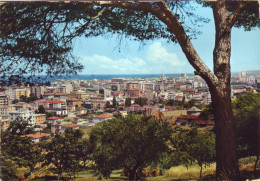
(158, 54)
(105, 65)
(155, 60)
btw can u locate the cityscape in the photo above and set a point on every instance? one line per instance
(63, 99)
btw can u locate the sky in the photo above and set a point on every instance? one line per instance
(104, 55)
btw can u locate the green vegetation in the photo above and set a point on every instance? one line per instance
(128, 102)
(141, 101)
(131, 143)
(246, 112)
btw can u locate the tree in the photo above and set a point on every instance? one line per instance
(207, 113)
(141, 101)
(189, 104)
(65, 152)
(192, 146)
(15, 101)
(114, 102)
(108, 104)
(19, 148)
(201, 147)
(132, 142)
(41, 109)
(246, 113)
(128, 102)
(52, 28)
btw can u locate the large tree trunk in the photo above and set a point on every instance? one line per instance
(226, 158)
(132, 174)
(226, 153)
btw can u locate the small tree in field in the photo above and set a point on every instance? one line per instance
(131, 143)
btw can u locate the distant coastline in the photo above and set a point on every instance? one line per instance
(112, 76)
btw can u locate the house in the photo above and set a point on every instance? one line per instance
(81, 110)
(57, 106)
(102, 117)
(170, 108)
(40, 118)
(53, 120)
(178, 98)
(193, 111)
(52, 104)
(73, 126)
(74, 102)
(134, 107)
(36, 137)
(186, 120)
(147, 109)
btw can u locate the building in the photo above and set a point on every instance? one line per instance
(66, 126)
(38, 91)
(36, 137)
(40, 118)
(53, 104)
(53, 120)
(133, 93)
(73, 103)
(4, 110)
(26, 115)
(193, 111)
(186, 120)
(17, 92)
(102, 117)
(4, 100)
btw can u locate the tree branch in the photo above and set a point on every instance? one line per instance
(233, 16)
(163, 12)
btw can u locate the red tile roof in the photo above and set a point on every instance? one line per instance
(54, 101)
(188, 117)
(170, 107)
(71, 126)
(53, 118)
(104, 116)
(38, 135)
(135, 105)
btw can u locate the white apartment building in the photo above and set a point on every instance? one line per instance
(24, 114)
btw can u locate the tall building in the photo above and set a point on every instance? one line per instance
(37, 91)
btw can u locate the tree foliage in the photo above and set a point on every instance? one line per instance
(246, 112)
(193, 146)
(132, 143)
(19, 148)
(128, 102)
(65, 152)
(141, 101)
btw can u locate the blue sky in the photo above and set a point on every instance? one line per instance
(103, 56)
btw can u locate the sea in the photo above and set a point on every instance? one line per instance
(42, 79)
(112, 76)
